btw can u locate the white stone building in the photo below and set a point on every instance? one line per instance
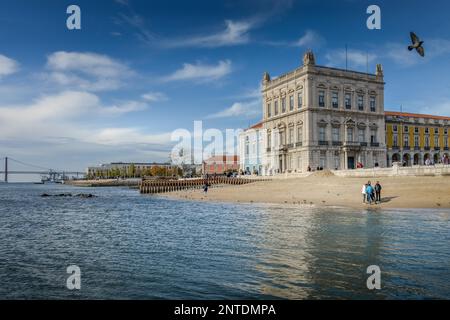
(323, 117)
(252, 149)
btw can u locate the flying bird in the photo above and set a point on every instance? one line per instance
(416, 44)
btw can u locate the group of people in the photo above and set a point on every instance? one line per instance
(371, 193)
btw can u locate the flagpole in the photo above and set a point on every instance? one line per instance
(346, 58)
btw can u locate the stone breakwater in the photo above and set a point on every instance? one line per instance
(132, 183)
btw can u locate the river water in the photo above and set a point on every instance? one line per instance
(130, 246)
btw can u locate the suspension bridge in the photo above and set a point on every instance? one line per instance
(33, 169)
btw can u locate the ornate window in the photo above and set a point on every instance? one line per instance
(350, 134)
(269, 110)
(373, 135)
(291, 135)
(361, 135)
(348, 101)
(283, 104)
(276, 107)
(335, 134)
(335, 99)
(300, 99)
(373, 104)
(299, 133)
(291, 103)
(360, 103)
(322, 134)
(321, 98)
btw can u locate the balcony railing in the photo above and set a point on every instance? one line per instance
(290, 145)
(446, 148)
(299, 144)
(406, 148)
(417, 148)
(437, 148)
(351, 144)
(323, 143)
(375, 144)
(337, 143)
(363, 144)
(427, 148)
(269, 149)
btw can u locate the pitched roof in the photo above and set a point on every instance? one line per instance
(259, 125)
(415, 115)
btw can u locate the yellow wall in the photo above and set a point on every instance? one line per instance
(400, 128)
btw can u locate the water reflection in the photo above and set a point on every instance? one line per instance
(132, 246)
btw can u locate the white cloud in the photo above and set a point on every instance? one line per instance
(355, 58)
(249, 109)
(8, 66)
(200, 72)
(122, 136)
(86, 71)
(399, 53)
(44, 115)
(442, 108)
(235, 33)
(124, 107)
(154, 96)
(310, 39)
(65, 130)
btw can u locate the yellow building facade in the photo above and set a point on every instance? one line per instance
(417, 139)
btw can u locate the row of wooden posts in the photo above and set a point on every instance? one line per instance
(164, 185)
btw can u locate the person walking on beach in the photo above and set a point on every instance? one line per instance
(363, 191)
(369, 193)
(205, 187)
(378, 192)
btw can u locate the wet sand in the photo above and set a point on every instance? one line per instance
(329, 190)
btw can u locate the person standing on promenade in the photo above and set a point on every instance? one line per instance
(378, 192)
(363, 191)
(369, 192)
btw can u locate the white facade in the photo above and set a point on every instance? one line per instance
(252, 150)
(319, 117)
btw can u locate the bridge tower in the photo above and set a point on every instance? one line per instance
(6, 169)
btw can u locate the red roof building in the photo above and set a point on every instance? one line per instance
(220, 164)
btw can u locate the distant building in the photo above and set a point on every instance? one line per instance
(321, 117)
(412, 138)
(252, 150)
(126, 167)
(324, 117)
(220, 164)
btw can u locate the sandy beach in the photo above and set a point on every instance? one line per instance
(325, 189)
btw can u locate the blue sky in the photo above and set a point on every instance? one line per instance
(138, 70)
